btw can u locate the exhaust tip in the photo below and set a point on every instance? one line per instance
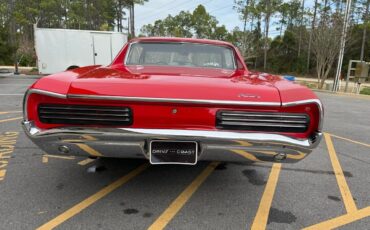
(63, 149)
(280, 157)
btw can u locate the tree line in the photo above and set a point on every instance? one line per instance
(17, 18)
(286, 37)
(291, 37)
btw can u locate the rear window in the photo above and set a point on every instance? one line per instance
(181, 54)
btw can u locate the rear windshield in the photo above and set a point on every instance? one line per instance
(181, 54)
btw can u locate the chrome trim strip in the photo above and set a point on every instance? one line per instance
(261, 124)
(73, 113)
(254, 114)
(261, 120)
(172, 100)
(73, 109)
(82, 118)
(38, 91)
(48, 93)
(309, 101)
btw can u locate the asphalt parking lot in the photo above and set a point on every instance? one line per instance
(329, 189)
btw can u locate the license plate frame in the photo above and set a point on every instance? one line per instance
(173, 152)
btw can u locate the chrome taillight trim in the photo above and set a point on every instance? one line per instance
(38, 91)
(174, 100)
(262, 121)
(85, 114)
(262, 124)
(309, 101)
(232, 113)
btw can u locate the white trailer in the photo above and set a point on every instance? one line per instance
(58, 49)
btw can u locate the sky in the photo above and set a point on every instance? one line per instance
(221, 9)
(160, 9)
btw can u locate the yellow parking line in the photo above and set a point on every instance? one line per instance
(180, 201)
(89, 150)
(7, 146)
(92, 199)
(263, 211)
(60, 157)
(341, 220)
(45, 159)
(86, 161)
(2, 174)
(6, 112)
(353, 141)
(349, 203)
(10, 119)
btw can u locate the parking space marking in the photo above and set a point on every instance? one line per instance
(86, 161)
(260, 220)
(10, 119)
(350, 140)
(7, 112)
(45, 157)
(14, 84)
(92, 199)
(349, 203)
(7, 143)
(162, 221)
(341, 220)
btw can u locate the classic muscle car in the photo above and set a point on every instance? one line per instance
(173, 101)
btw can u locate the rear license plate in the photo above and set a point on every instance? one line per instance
(173, 152)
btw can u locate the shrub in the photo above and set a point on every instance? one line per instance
(365, 90)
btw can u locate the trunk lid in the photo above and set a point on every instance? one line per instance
(175, 83)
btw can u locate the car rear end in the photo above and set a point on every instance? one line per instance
(171, 131)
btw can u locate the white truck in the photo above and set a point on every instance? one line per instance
(60, 49)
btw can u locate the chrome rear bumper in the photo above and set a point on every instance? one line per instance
(133, 143)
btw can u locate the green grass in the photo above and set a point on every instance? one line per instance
(365, 90)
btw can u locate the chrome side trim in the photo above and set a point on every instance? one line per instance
(38, 91)
(48, 93)
(172, 100)
(309, 101)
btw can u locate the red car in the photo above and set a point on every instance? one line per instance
(173, 101)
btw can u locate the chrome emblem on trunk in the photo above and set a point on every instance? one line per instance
(244, 95)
